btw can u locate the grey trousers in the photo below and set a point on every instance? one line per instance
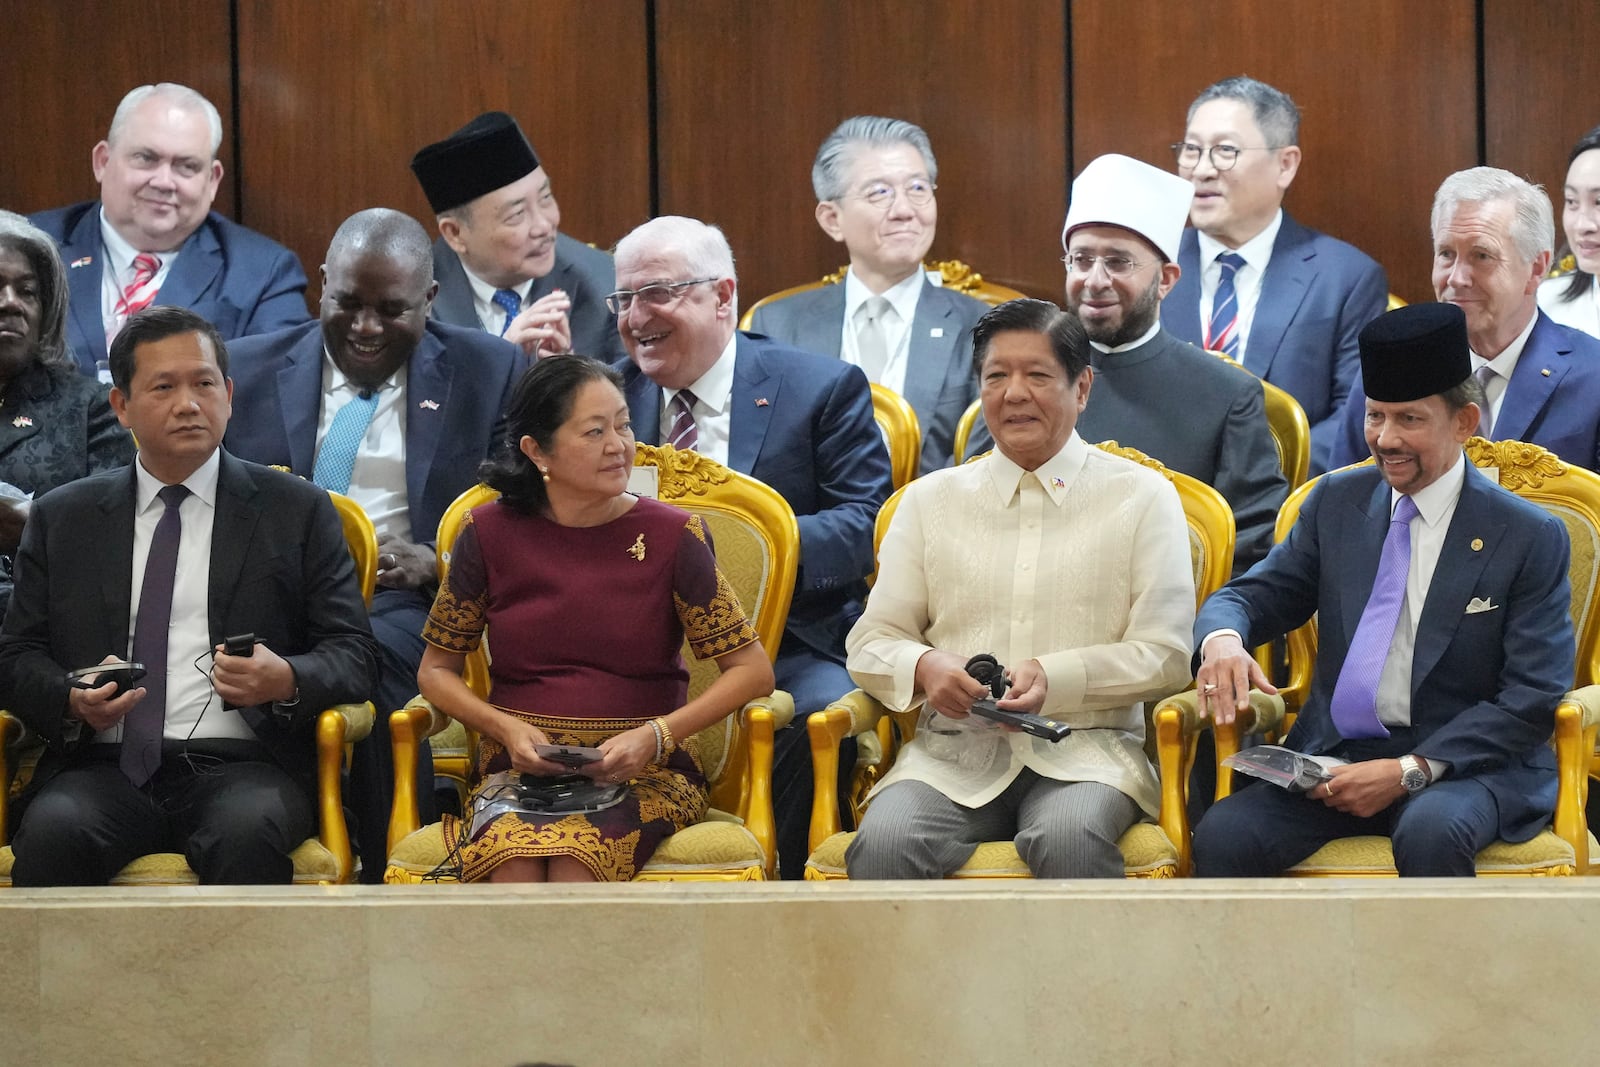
(1061, 829)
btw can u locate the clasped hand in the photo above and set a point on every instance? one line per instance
(542, 328)
(949, 690)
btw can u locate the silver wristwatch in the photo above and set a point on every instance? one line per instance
(1412, 776)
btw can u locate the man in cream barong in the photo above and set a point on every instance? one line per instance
(1072, 567)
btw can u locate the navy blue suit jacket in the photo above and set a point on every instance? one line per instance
(1552, 400)
(234, 278)
(802, 423)
(1316, 295)
(1484, 686)
(457, 385)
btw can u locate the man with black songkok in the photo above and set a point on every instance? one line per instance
(1445, 640)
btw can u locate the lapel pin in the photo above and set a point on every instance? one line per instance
(22, 422)
(761, 402)
(1477, 544)
(937, 331)
(428, 405)
(1058, 483)
(1545, 372)
(636, 550)
(83, 262)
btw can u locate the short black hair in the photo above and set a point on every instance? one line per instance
(1068, 340)
(157, 324)
(540, 403)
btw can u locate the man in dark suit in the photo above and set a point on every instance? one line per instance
(1285, 301)
(1187, 408)
(1444, 635)
(153, 238)
(213, 754)
(874, 179)
(428, 404)
(500, 262)
(1492, 239)
(798, 421)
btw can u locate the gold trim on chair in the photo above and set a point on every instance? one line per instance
(902, 433)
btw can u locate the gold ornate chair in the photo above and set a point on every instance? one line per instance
(1394, 302)
(902, 433)
(969, 419)
(1159, 850)
(953, 274)
(1572, 494)
(322, 860)
(758, 545)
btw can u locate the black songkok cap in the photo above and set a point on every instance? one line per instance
(486, 154)
(1414, 352)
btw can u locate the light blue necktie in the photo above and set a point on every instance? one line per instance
(509, 302)
(1354, 706)
(1222, 334)
(338, 455)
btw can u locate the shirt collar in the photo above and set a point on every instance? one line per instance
(484, 292)
(1438, 498)
(902, 295)
(713, 390)
(1506, 361)
(1055, 474)
(1155, 328)
(1256, 252)
(202, 483)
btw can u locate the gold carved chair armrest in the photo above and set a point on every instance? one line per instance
(763, 718)
(338, 726)
(1577, 724)
(408, 729)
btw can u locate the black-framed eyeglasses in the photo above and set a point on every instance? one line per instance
(658, 295)
(1116, 266)
(1223, 156)
(918, 193)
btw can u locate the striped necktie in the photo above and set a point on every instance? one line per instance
(138, 293)
(683, 434)
(1222, 333)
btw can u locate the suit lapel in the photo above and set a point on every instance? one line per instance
(1539, 371)
(755, 400)
(927, 356)
(427, 382)
(233, 527)
(819, 329)
(86, 264)
(197, 269)
(644, 405)
(453, 303)
(112, 563)
(300, 401)
(1180, 311)
(1364, 536)
(1286, 282)
(1456, 574)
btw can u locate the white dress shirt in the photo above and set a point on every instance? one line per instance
(1257, 253)
(491, 315)
(193, 708)
(1504, 364)
(1083, 565)
(378, 480)
(902, 297)
(712, 407)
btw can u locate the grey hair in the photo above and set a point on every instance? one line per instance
(1533, 226)
(703, 247)
(873, 131)
(37, 247)
(1272, 109)
(181, 95)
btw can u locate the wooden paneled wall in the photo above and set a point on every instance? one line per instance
(714, 108)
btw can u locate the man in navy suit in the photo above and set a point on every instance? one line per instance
(874, 179)
(152, 237)
(1492, 239)
(500, 263)
(1445, 640)
(427, 403)
(800, 422)
(1299, 297)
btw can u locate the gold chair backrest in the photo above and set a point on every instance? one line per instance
(964, 425)
(1287, 422)
(1394, 302)
(363, 541)
(902, 433)
(953, 274)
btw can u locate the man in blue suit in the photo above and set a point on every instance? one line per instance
(874, 179)
(800, 422)
(152, 237)
(1445, 640)
(397, 411)
(1298, 297)
(1492, 239)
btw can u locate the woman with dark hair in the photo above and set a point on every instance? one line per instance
(589, 592)
(55, 425)
(1573, 299)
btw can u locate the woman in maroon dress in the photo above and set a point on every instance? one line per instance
(588, 593)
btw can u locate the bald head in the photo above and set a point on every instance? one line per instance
(386, 233)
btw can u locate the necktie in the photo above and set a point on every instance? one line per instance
(1355, 696)
(872, 337)
(509, 302)
(683, 433)
(142, 727)
(1222, 333)
(134, 295)
(1485, 374)
(338, 455)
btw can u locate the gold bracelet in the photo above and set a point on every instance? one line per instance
(668, 744)
(655, 728)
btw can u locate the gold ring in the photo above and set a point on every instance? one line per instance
(1328, 788)
(1210, 687)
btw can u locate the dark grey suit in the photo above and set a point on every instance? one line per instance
(940, 383)
(1199, 415)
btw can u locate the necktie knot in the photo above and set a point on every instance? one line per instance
(173, 495)
(508, 301)
(1230, 262)
(1404, 511)
(145, 267)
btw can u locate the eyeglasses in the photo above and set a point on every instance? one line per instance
(658, 295)
(1116, 266)
(918, 193)
(1223, 156)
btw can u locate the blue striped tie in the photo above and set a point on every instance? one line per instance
(337, 458)
(1222, 335)
(509, 302)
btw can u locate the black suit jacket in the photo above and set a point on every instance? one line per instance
(279, 569)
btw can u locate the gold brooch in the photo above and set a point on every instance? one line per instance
(636, 550)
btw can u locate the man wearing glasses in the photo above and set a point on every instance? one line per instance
(874, 179)
(1190, 410)
(798, 421)
(1285, 301)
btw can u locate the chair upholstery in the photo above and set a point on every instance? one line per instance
(902, 433)
(1572, 494)
(1158, 850)
(951, 273)
(757, 543)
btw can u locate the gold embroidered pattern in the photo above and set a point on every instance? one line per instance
(717, 628)
(636, 550)
(454, 625)
(697, 526)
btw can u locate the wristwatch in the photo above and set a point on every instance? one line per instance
(1412, 776)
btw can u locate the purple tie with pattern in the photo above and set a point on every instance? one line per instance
(684, 434)
(1354, 706)
(142, 727)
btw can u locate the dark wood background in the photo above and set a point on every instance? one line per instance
(714, 108)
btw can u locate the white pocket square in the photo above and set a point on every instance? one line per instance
(1479, 604)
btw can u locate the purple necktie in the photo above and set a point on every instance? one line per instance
(1222, 332)
(684, 434)
(1355, 697)
(142, 727)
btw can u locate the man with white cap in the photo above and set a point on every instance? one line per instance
(500, 262)
(1190, 410)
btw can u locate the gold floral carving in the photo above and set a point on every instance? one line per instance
(1521, 465)
(683, 473)
(1131, 453)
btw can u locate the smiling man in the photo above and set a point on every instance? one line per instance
(152, 237)
(395, 410)
(1492, 239)
(1444, 635)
